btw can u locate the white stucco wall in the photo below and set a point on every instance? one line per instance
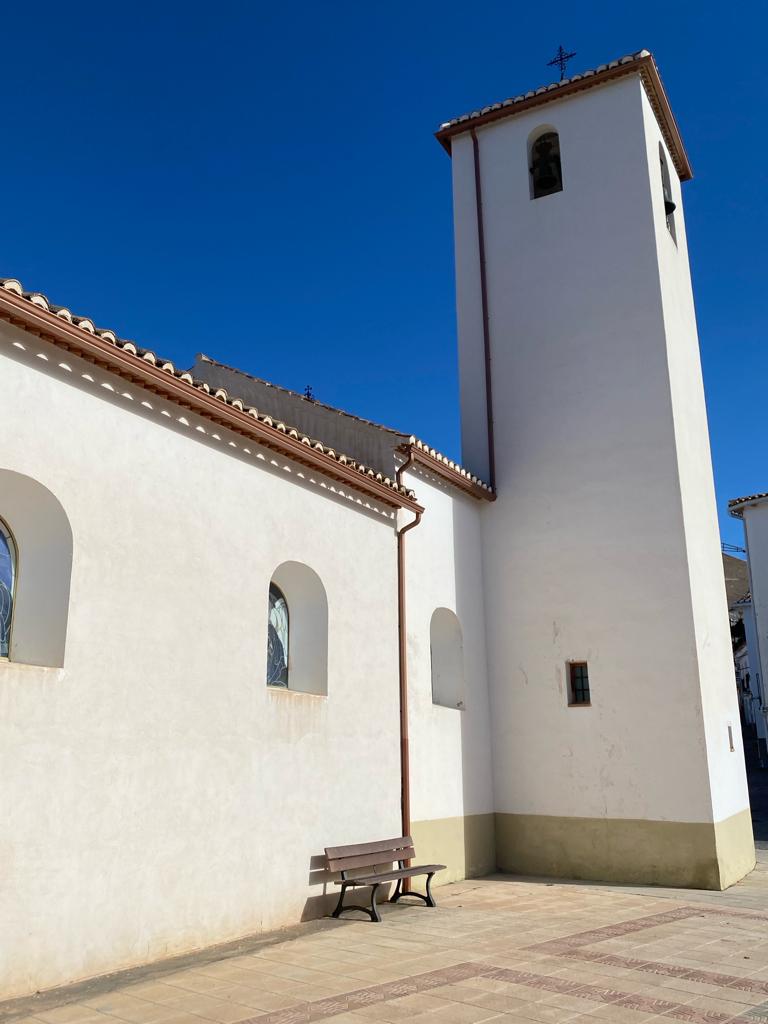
(156, 797)
(586, 553)
(449, 747)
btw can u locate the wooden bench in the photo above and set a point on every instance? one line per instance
(375, 856)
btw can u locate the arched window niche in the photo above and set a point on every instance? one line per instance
(447, 653)
(666, 190)
(297, 630)
(544, 165)
(36, 560)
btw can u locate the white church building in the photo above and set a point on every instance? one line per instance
(238, 626)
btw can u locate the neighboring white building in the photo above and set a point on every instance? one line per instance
(743, 682)
(748, 678)
(753, 511)
(532, 672)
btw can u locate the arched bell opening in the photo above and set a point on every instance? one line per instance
(544, 163)
(666, 189)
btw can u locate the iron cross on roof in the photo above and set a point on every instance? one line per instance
(561, 59)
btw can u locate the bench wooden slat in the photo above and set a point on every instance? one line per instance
(391, 876)
(371, 860)
(358, 849)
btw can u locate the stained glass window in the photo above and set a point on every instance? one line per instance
(7, 582)
(277, 638)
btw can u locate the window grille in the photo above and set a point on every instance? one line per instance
(578, 683)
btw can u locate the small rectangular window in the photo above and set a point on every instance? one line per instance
(578, 683)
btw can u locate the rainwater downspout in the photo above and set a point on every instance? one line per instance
(405, 764)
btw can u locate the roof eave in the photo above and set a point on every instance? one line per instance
(737, 505)
(38, 322)
(464, 482)
(644, 66)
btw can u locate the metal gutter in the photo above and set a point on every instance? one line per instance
(434, 465)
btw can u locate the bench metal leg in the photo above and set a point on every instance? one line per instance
(340, 904)
(429, 899)
(373, 913)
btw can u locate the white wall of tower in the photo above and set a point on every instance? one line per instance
(697, 492)
(586, 548)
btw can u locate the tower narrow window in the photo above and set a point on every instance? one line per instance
(277, 638)
(578, 683)
(666, 190)
(545, 168)
(7, 587)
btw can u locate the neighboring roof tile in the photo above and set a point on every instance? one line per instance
(735, 505)
(641, 63)
(461, 476)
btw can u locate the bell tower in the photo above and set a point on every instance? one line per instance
(616, 747)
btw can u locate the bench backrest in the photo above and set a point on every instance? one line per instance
(368, 855)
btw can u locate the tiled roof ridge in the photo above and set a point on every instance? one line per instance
(511, 101)
(14, 286)
(422, 446)
(297, 394)
(641, 61)
(734, 505)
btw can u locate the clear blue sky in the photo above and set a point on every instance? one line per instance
(260, 182)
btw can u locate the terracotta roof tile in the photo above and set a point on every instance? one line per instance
(735, 505)
(147, 355)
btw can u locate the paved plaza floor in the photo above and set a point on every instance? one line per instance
(495, 949)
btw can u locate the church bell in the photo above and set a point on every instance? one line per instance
(669, 204)
(547, 175)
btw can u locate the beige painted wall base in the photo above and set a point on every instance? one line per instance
(674, 853)
(467, 845)
(735, 846)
